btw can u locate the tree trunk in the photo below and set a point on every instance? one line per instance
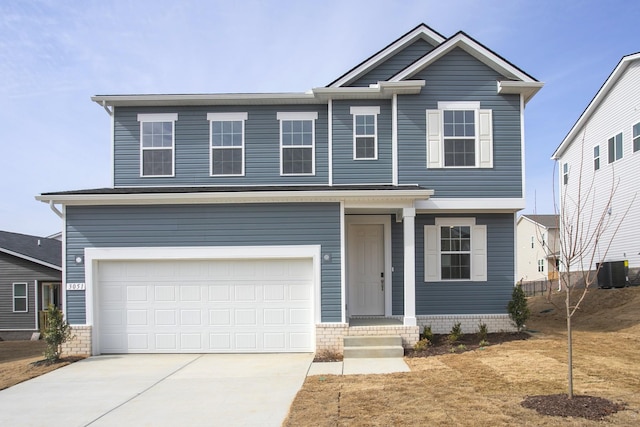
(569, 350)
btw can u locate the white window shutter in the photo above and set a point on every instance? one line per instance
(434, 138)
(485, 133)
(479, 253)
(431, 269)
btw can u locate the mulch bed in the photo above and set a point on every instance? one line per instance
(589, 407)
(66, 360)
(441, 345)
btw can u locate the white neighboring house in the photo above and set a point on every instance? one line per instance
(607, 139)
(537, 237)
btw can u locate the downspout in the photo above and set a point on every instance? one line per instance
(55, 210)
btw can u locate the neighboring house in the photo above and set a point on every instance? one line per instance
(269, 222)
(30, 277)
(602, 150)
(538, 245)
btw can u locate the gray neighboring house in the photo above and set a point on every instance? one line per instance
(281, 222)
(30, 278)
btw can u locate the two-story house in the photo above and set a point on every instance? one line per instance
(271, 222)
(538, 245)
(598, 163)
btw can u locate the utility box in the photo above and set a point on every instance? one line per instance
(614, 274)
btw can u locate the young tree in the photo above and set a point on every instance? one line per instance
(56, 333)
(584, 242)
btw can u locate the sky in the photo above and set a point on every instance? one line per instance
(56, 54)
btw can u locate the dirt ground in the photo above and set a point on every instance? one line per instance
(486, 386)
(16, 358)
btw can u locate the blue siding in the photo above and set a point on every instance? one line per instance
(460, 77)
(262, 147)
(205, 225)
(488, 297)
(395, 64)
(346, 170)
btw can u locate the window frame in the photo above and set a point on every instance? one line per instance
(483, 135)
(303, 116)
(226, 118)
(565, 173)
(24, 297)
(635, 137)
(478, 260)
(540, 265)
(596, 157)
(158, 118)
(365, 111)
(614, 142)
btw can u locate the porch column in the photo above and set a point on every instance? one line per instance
(408, 219)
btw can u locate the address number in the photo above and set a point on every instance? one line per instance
(76, 286)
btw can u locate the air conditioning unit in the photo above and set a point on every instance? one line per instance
(613, 274)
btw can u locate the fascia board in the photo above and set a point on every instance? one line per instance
(471, 47)
(28, 258)
(594, 104)
(470, 205)
(537, 224)
(422, 31)
(527, 89)
(240, 197)
(206, 99)
(381, 90)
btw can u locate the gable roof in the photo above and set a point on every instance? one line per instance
(422, 31)
(41, 250)
(518, 81)
(604, 90)
(547, 221)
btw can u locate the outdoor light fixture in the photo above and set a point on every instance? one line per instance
(78, 259)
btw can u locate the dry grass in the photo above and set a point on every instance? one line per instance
(485, 387)
(16, 358)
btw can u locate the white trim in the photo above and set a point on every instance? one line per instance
(522, 148)
(385, 221)
(112, 131)
(227, 117)
(465, 222)
(94, 255)
(394, 139)
(364, 111)
(471, 204)
(35, 305)
(458, 105)
(409, 240)
(343, 268)
(63, 278)
(25, 297)
(330, 141)
(28, 258)
(299, 115)
(163, 117)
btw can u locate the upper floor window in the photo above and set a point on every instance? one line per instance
(636, 137)
(615, 148)
(459, 134)
(455, 249)
(541, 265)
(565, 173)
(157, 142)
(596, 157)
(365, 132)
(20, 298)
(227, 143)
(297, 143)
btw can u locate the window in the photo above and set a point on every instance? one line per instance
(615, 148)
(297, 143)
(226, 134)
(157, 144)
(459, 134)
(532, 241)
(565, 173)
(541, 265)
(455, 250)
(365, 132)
(20, 298)
(636, 137)
(596, 157)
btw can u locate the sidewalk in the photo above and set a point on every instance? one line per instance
(359, 366)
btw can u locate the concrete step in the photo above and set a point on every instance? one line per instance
(372, 340)
(385, 351)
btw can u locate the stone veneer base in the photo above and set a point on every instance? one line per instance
(329, 336)
(442, 324)
(80, 345)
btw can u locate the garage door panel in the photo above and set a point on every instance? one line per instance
(218, 306)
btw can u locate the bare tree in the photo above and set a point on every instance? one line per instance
(583, 245)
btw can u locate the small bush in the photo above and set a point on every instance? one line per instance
(483, 331)
(427, 334)
(423, 344)
(517, 308)
(484, 343)
(56, 333)
(456, 333)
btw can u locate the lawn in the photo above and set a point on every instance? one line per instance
(486, 387)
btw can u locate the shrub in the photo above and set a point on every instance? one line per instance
(456, 333)
(517, 308)
(423, 344)
(56, 333)
(427, 334)
(483, 331)
(484, 343)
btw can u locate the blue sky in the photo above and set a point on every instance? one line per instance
(55, 54)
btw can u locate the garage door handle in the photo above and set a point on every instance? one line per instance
(382, 281)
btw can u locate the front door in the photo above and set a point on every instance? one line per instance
(50, 295)
(366, 269)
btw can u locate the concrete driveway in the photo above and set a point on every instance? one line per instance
(160, 390)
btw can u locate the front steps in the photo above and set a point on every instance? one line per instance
(373, 346)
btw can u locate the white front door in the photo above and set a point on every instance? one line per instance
(366, 269)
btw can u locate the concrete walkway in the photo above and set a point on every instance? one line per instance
(160, 390)
(360, 366)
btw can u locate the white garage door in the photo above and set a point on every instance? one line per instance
(218, 306)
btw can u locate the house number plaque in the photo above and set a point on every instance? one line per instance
(76, 286)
